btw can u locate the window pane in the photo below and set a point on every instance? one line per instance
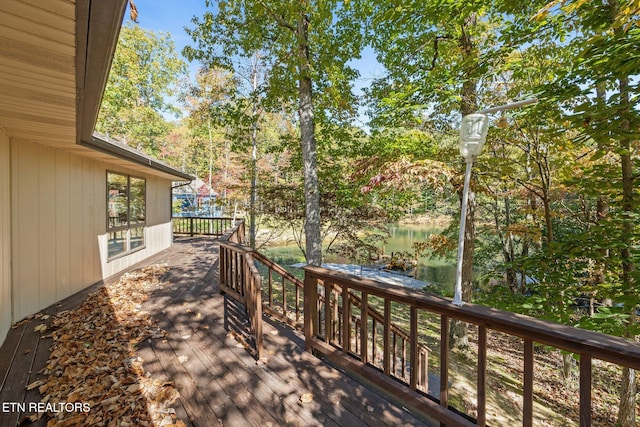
(137, 200)
(117, 201)
(117, 242)
(137, 238)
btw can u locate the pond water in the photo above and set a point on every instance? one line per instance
(439, 272)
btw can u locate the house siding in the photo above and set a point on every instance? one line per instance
(59, 243)
(5, 235)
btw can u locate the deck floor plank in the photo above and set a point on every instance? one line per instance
(14, 388)
(152, 365)
(205, 357)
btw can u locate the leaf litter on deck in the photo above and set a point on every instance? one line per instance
(93, 359)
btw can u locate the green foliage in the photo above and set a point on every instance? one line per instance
(144, 74)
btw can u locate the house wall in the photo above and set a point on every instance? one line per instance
(5, 235)
(59, 243)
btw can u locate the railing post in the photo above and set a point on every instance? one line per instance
(310, 311)
(191, 226)
(254, 297)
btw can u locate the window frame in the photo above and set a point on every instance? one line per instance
(130, 225)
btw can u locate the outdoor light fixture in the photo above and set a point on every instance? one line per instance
(473, 134)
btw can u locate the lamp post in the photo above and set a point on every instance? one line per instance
(473, 134)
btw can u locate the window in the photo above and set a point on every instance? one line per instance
(126, 213)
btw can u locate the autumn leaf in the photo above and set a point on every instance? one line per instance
(306, 398)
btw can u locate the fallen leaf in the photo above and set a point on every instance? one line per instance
(183, 359)
(134, 388)
(306, 398)
(35, 384)
(40, 328)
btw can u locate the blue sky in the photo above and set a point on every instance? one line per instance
(173, 15)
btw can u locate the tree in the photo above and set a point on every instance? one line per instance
(207, 101)
(594, 90)
(409, 38)
(308, 44)
(144, 73)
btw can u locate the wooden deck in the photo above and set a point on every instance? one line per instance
(219, 381)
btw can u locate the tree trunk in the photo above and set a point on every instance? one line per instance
(254, 157)
(313, 240)
(627, 409)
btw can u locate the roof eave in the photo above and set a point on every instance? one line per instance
(98, 24)
(123, 152)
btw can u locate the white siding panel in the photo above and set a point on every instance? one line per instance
(5, 235)
(25, 230)
(47, 230)
(59, 243)
(74, 217)
(63, 224)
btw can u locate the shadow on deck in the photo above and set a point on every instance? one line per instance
(219, 381)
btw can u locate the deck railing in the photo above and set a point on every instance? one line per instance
(264, 286)
(282, 298)
(320, 337)
(239, 278)
(202, 226)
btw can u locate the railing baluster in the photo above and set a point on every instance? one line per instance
(297, 303)
(413, 355)
(386, 358)
(585, 390)
(335, 320)
(424, 370)
(356, 336)
(346, 320)
(444, 361)
(394, 355)
(328, 287)
(310, 310)
(364, 327)
(270, 280)
(403, 359)
(374, 339)
(482, 375)
(284, 297)
(527, 392)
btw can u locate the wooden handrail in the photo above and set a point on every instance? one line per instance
(588, 344)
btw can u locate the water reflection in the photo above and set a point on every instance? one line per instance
(437, 271)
